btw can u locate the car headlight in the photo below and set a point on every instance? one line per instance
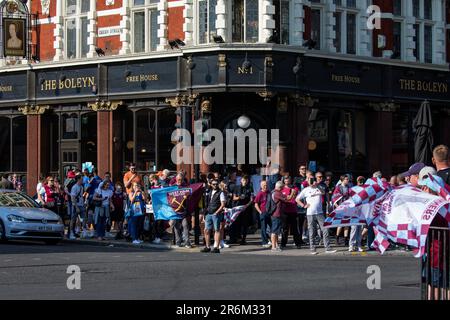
(14, 218)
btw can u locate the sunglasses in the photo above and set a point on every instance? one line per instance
(319, 177)
(302, 168)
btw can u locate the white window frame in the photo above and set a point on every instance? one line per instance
(422, 22)
(230, 21)
(147, 8)
(344, 11)
(290, 20)
(197, 24)
(77, 16)
(320, 6)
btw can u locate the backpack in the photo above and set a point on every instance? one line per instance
(271, 206)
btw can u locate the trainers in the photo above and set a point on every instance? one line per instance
(188, 245)
(157, 241)
(330, 251)
(266, 245)
(205, 249)
(223, 245)
(351, 249)
(215, 250)
(269, 243)
(360, 249)
(314, 252)
(276, 250)
(178, 245)
(136, 242)
(72, 237)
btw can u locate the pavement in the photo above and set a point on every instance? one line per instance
(37, 271)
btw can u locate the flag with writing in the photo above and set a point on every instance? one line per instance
(231, 214)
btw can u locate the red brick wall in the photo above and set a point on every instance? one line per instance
(46, 51)
(111, 44)
(387, 27)
(101, 5)
(176, 20)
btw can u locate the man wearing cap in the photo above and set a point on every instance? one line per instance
(412, 175)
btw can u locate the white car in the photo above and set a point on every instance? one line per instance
(22, 218)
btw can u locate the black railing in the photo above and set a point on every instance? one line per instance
(435, 265)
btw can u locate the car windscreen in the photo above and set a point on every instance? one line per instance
(16, 199)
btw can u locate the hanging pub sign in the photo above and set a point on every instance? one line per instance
(14, 37)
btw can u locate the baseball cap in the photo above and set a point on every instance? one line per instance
(426, 171)
(70, 174)
(414, 169)
(431, 183)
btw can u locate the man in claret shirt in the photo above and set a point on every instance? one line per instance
(289, 217)
(260, 206)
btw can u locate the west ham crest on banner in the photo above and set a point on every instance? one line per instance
(178, 199)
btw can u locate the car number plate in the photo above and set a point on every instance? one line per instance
(44, 228)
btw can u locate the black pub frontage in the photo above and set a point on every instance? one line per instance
(341, 113)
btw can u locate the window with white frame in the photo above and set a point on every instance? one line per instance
(423, 27)
(206, 13)
(144, 19)
(245, 16)
(281, 17)
(317, 9)
(345, 26)
(76, 28)
(398, 30)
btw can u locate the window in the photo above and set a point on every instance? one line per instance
(345, 27)
(423, 30)
(316, 22)
(281, 32)
(351, 33)
(13, 144)
(89, 137)
(245, 17)
(76, 26)
(397, 40)
(397, 8)
(207, 20)
(145, 25)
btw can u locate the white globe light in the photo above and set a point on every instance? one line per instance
(244, 122)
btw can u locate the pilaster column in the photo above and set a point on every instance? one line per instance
(162, 22)
(125, 28)
(410, 44)
(330, 21)
(439, 32)
(58, 32)
(298, 27)
(267, 22)
(221, 19)
(365, 43)
(188, 25)
(92, 29)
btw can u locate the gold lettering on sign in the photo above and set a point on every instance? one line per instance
(423, 86)
(242, 70)
(70, 83)
(345, 79)
(142, 78)
(6, 88)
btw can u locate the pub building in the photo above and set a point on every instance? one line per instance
(344, 98)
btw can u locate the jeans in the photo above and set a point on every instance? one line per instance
(265, 221)
(181, 229)
(133, 227)
(100, 226)
(301, 221)
(355, 236)
(289, 223)
(312, 220)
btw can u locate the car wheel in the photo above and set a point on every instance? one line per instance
(2, 232)
(52, 242)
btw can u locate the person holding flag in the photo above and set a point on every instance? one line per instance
(179, 204)
(215, 202)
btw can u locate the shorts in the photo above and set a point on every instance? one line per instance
(276, 226)
(213, 220)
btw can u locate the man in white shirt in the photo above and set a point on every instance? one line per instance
(314, 213)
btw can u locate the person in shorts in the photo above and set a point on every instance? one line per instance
(280, 201)
(215, 202)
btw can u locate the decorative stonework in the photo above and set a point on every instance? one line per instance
(206, 106)
(222, 60)
(304, 101)
(388, 106)
(33, 110)
(104, 105)
(182, 100)
(267, 95)
(45, 7)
